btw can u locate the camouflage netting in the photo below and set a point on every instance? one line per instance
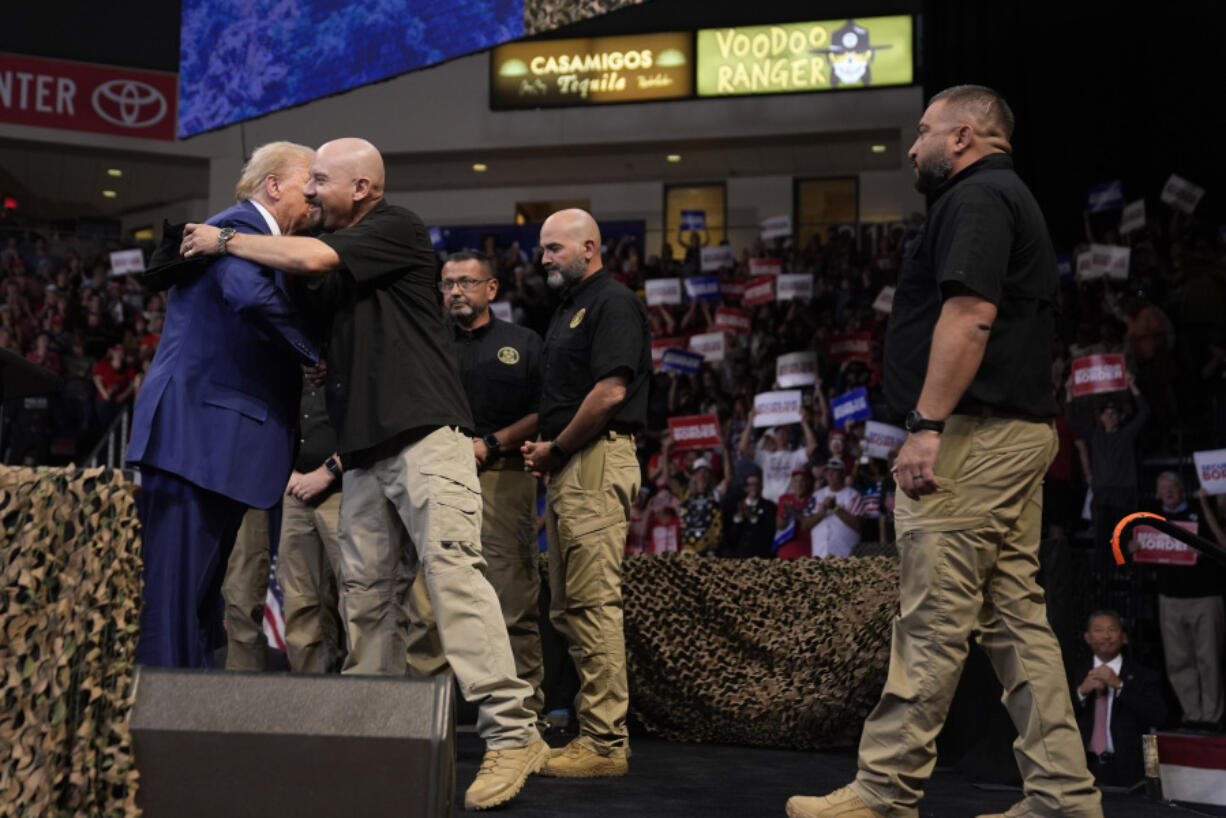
(68, 621)
(546, 15)
(768, 653)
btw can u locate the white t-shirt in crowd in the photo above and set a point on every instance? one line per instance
(777, 469)
(832, 537)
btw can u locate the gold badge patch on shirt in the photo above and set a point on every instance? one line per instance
(508, 355)
(578, 319)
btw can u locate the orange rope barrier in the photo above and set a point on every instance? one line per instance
(1119, 529)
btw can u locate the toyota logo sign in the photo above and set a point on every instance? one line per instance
(129, 103)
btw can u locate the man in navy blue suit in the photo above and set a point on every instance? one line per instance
(214, 424)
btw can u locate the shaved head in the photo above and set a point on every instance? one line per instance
(346, 183)
(983, 109)
(570, 240)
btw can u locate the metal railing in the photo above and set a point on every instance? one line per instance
(112, 448)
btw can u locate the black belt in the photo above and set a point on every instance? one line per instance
(1100, 759)
(623, 428)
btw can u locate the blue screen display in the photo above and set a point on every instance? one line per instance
(241, 59)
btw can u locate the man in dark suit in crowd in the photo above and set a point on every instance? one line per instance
(214, 425)
(1116, 701)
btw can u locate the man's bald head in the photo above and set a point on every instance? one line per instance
(570, 240)
(347, 180)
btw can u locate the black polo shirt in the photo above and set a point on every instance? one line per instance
(316, 438)
(599, 328)
(986, 233)
(500, 368)
(390, 365)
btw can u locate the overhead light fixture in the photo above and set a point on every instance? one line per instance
(115, 172)
(673, 157)
(109, 194)
(480, 167)
(878, 149)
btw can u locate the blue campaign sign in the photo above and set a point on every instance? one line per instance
(436, 238)
(681, 360)
(702, 288)
(693, 220)
(1108, 196)
(1064, 263)
(850, 407)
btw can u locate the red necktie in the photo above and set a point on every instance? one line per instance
(1098, 738)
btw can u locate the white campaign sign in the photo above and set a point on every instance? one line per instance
(1182, 194)
(710, 344)
(1211, 470)
(713, 258)
(1133, 217)
(777, 226)
(776, 408)
(663, 291)
(502, 311)
(880, 438)
(127, 261)
(885, 300)
(796, 369)
(793, 285)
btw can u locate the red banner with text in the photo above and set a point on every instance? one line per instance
(695, 432)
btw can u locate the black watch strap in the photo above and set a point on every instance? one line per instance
(331, 465)
(492, 445)
(918, 423)
(557, 451)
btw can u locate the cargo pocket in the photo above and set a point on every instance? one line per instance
(455, 503)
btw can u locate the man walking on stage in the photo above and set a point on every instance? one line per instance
(410, 498)
(597, 361)
(967, 363)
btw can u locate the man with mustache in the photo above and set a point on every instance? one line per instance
(967, 361)
(597, 362)
(410, 498)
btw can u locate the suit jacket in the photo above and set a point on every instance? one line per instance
(219, 406)
(1138, 708)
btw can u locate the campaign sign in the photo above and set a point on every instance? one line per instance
(710, 344)
(1096, 374)
(663, 291)
(436, 238)
(850, 407)
(880, 438)
(776, 408)
(1211, 470)
(793, 286)
(796, 369)
(1103, 260)
(1109, 196)
(765, 267)
(728, 319)
(1163, 549)
(885, 300)
(732, 289)
(693, 220)
(1064, 265)
(683, 361)
(127, 261)
(713, 258)
(502, 311)
(1133, 217)
(695, 432)
(1182, 194)
(777, 226)
(658, 345)
(851, 346)
(702, 288)
(760, 290)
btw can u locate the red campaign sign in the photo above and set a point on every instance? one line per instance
(658, 345)
(732, 289)
(1163, 549)
(765, 266)
(732, 320)
(760, 290)
(1095, 374)
(851, 346)
(78, 96)
(695, 432)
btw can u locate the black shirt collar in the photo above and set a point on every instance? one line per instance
(458, 331)
(574, 290)
(993, 161)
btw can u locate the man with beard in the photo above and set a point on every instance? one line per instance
(500, 367)
(597, 361)
(967, 361)
(410, 498)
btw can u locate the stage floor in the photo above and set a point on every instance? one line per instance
(669, 780)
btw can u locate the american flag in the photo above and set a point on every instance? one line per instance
(274, 620)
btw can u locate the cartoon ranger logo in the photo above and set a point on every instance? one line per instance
(850, 55)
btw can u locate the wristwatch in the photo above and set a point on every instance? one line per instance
(918, 423)
(492, 446)
(224, 236)
(557, 451)
(331, 465)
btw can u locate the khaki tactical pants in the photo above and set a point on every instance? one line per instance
(420, 507)
(1192, 631)
(587, 518)
(969, 555)
(308, 562)
(509, 545)
(244, 589)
